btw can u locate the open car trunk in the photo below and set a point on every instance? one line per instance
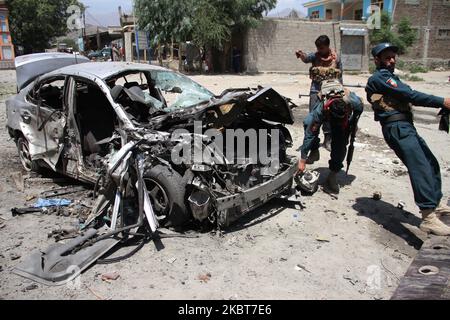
(31, 66)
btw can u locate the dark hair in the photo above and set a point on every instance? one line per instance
(323, 40)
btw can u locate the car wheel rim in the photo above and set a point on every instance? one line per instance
(24, 155)
(159, 198)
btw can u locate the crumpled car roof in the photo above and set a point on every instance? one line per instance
(104, 70)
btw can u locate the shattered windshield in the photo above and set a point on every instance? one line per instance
(179, 91)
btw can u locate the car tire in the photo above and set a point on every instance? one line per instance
(167, 190)
(25, 156)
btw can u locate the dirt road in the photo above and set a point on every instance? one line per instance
(350, 248)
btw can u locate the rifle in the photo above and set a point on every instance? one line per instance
(444, 123)
(354, 85)
(351, 149)
(345, 85)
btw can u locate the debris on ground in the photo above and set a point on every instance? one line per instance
(22, 211)
(57, 192)
(171, 260)
(299, 267)
(46, 203)
(377, 195)
(322, 239)
(401, 205)
(351, 280)
(113, 276)
(14, 256)
(204, 277)
(31, 287)
(30, 197)
(63, 234)
(99, 297)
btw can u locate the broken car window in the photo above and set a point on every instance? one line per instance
(49, 92)
(136, 94)
(179, 91)
(92, 105)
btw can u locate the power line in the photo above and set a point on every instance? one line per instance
(94, 19)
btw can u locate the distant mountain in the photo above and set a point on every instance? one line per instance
(287, 13)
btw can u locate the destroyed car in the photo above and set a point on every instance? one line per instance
(93, 121)
(158, 148)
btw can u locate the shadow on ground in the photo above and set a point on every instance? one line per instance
(257, 216)
(391, 218)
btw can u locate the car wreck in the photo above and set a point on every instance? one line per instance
(159, 149)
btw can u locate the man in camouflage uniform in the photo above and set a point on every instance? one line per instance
(326, 65)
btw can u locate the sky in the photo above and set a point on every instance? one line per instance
(105, 12)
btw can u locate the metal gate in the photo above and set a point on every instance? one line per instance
(352, 48)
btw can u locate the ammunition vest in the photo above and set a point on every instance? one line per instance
(386, 103)
(325, 69)
(320, 74)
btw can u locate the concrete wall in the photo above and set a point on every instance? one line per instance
(271, 47)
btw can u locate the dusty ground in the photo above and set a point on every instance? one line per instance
(339, 245)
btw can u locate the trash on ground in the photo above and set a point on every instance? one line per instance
(45, 203)
(110, 276)
(377, 196)
(204, 277)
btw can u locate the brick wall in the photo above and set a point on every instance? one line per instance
(418, 15)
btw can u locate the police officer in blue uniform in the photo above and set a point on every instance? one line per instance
(340, 108)
(392, 102)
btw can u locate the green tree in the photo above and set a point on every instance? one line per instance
(403, 38)
(34, 23)
(214, 20)
(209, 23)
(406, 33)
(166, 20)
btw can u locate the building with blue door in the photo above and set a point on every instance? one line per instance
(339, 10)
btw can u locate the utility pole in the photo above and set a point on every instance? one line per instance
(83, 29)
(426, 43)
(98, 39)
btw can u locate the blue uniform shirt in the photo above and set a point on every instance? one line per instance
(387, 83)
(317, 117)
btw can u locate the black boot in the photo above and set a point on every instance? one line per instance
(313, 157)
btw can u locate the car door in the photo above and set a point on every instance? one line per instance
(44, 120)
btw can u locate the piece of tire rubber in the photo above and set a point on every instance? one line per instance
(175, 187)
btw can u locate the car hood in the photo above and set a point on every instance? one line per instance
(265, 103)
(31, 66)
